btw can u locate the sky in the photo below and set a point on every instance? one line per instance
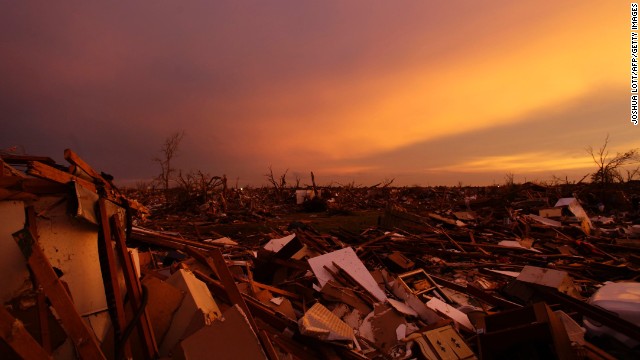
(422, 92)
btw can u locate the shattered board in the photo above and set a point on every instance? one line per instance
(348, 260)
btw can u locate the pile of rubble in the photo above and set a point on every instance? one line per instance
(85, 276)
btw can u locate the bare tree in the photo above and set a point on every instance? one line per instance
(609, 168)
(278, 184)
(168, 151)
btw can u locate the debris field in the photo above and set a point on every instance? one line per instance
(204, 271)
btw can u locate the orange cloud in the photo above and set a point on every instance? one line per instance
(515, 72)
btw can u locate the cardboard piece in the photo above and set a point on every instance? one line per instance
(276, 245)
(164, 301)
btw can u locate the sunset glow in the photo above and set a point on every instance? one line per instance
(425, 92)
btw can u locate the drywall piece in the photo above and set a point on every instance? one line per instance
(384, 324)
(13, 267)
(229, 337)
(58, 295)
(348, 260)
(449, 311)
(222, 241)
(276, 245)
(516, 244)
(100, 323)
(71, 245)
(556, 279)
(164, 300)
(320, 323)
(402, 307)
(197, 309)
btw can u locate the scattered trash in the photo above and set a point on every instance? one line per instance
(375, 272)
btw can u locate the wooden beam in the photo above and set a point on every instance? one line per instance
(112, 286)
(83, 338)
(12, 331)
(47, 172)
(134, 288)
(74, 159)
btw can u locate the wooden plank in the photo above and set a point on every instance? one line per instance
(47, 172)
(168, 241)
(105, 241)
(74, 159)
(83, 338)
(12, 331)
(134, 288)
(24, 159)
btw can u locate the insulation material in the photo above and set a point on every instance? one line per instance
(348, 260)
(321, 323)
(13, 268)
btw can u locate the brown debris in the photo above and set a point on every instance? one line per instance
(361, 273)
